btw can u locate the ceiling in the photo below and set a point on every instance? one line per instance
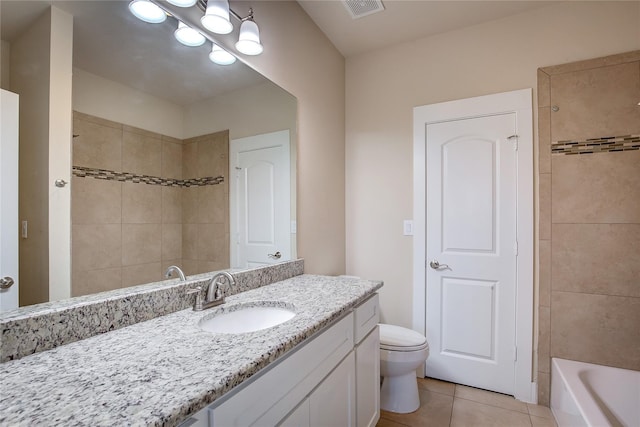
(403, 21)
(110, 42)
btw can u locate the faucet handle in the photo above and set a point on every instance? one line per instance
(197, 305)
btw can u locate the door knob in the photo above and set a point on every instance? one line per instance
(436, 265)
(277, 255)
(6, 282)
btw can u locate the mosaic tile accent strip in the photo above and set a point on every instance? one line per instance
(597, 145)
(82, 172)
(41, 327)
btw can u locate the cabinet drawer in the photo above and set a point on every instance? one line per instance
(367, 316)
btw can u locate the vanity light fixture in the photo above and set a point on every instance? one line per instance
(183, 3)
(188, 36)
(147, 11)
(216, 17)
(249, 40)
(220, 56)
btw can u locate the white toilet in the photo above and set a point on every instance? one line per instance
(401, 352)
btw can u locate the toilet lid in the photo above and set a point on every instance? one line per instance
(397, 338)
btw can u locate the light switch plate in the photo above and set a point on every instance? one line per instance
(407, 227)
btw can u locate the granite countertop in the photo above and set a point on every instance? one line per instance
(160, 371)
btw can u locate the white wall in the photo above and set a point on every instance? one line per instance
(245, 112)
(110, 100)
(383, 86)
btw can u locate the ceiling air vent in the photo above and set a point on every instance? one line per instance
(360, 8)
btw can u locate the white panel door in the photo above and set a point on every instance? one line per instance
(471, 251)
(260, 200)
(9, 200)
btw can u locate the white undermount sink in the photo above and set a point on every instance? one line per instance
(246, 318)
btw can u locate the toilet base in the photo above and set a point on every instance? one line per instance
(400, 393)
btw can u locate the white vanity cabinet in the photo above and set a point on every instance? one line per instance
(333, 380)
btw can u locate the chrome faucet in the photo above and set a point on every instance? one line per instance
(215, 295)
(175, 268)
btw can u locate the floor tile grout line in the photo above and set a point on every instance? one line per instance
(493, 406)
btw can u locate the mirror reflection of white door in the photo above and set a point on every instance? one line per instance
(260, 213)
(9, 200)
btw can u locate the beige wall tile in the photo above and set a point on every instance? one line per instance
(212, 204)
(171, 139)
(544, 388)
(141, 203)
(211, 242)
(141, 154)
(95, 201)
(544, 89)
(171, 241)
(143, 132)
(545, 206)
(141, 243)
(190, 242)
(172, 205)
(209, 266)
(596, 102)
(596, 258)
(596, 188)
(544, 332)
(596, 328)
(97, 146)
(544, 294)
(190, 160)
(93, 281)
(469, 413)
(189, 266)
(544, 140)
(213, 155)
(96, 246)
(190, 205)
(616, 59)
(171, 160)
(96, 120)
(133, 275)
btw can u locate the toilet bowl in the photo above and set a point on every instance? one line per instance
(402, 351)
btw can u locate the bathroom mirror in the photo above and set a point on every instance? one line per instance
(155, 126)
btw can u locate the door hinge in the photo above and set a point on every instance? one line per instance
(515, 248)
(515, 353)
(513, 138)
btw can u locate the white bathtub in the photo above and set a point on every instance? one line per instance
(583, 394)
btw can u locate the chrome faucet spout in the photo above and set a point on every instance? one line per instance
(214, 285)
(177, 269)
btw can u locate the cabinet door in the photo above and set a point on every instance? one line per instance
(299, 417)
(332, 403)
(368, 380)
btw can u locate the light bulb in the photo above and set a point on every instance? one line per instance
(249, 40)
(183, 3)
(220, 56)
(147, 11)
(216, 17)
(188, 36)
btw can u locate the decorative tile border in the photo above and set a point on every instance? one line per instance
(41, 327)
(109, 175)
(597, 145)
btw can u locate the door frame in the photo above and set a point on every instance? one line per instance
(520, 103)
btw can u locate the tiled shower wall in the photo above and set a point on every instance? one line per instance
(589, 247)
(131, 209)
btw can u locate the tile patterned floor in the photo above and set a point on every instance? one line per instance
(454, 405)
